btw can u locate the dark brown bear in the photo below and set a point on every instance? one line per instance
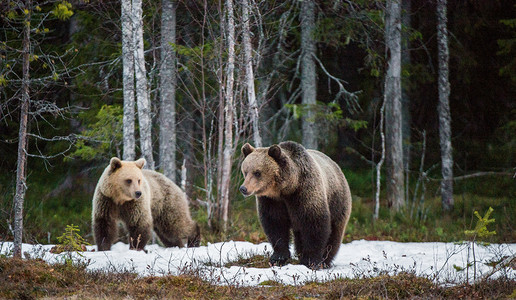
(300, 190)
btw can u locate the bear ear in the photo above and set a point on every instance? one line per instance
(275, 152)
(140, 163)
(247, 149)
(115, 163)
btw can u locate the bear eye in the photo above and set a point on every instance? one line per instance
(138, 181)
(257, 174)
(128, 181)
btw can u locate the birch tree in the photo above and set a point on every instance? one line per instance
(228, 117)
(308, 73)
(444, 108)
(129, 151)
(249, 75)
(142, 89)
(167, 144)
(393, 136)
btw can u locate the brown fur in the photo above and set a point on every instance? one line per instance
(302, 191)
(143, 200)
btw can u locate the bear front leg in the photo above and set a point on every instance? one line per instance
(106, 231)
(138, 220)
(104, 221)
(312, 230)
(276, 224)
(139, 236)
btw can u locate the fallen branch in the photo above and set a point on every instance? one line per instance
(508, 262)
(477, 174)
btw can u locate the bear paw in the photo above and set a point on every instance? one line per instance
(279, 259)
(314, 264)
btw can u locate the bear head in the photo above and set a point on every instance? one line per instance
(124, 181)
(267, 172)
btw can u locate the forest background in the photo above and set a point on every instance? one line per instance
(75, 109)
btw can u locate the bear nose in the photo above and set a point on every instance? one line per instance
(137, 194)
(243, 190)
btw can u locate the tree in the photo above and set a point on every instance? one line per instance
(249, 75)
(142, 89)
(308, 73)
(228, 118)
(405, 99)
(21, 186)
(24, 26)
(444, 108)
(129, 151)
(392, 95)
(167, 144)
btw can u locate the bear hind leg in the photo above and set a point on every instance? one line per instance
(168, 240)
(333, 245)
(194, 239)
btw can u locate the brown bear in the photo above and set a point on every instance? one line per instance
(300, 190)
(142, 200)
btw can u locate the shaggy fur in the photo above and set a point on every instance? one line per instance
(302, 191)
(143, 200)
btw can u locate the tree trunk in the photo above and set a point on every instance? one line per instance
(228, 115)
(376, 213)
(394, 150)
(21, 171)
(308, 75)
(405, 100)
(249, 75)
(167, 145)
(129, 151)
(142, 91)
(444, 108)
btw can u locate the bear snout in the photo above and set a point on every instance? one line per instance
(137, 194)
(243, 190)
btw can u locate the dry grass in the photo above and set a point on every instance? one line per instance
(33, 278)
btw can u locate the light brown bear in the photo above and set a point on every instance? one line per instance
(300, 190)
(142, 200)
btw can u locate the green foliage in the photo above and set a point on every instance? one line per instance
(71, 240)
(481, 230)
(104, 137)
(329, 114)
(63, 11)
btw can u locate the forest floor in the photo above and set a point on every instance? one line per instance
(362, 269)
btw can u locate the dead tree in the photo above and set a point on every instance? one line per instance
(444, 108)
(167, 134)
(393, 136)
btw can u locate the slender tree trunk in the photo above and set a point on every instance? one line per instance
(142, 90)
(129, 151)
(228, 115)
(249, 75)
(379, 165)
(308, 75)
(21, 171)
(444, 108)
(394, 149)
(405, 100)
(221, 118)
(167, 145)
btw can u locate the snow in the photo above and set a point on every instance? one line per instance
(354, 260)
